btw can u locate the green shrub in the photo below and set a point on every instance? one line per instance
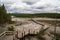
(41, 33)
(11, 28)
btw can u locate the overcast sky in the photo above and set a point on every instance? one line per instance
(31, 6)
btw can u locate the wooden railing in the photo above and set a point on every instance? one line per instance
(37, 22)
(2, 34)
(6, 33)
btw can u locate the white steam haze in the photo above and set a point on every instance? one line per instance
(31, 6)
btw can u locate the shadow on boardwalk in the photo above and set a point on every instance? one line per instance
(26, 36)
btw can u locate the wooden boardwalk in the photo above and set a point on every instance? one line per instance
(25, 36)
(28, 29)
(24, 29)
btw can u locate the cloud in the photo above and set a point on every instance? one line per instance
(31, 6)
(30, 2)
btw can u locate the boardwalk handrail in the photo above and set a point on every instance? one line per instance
(36, 22)
(2, 34)
(5, 33)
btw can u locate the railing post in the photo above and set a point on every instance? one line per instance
(33, 32)
(13, 38)
(22, 34)
(16, 35)
(29, 31)
(24, 37)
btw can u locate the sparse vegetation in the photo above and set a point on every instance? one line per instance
(11, 28)
(57, 36)
(52, 22)
(41, 34)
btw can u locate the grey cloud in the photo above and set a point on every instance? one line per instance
(40, 7)
(29, 3)
(31, 6)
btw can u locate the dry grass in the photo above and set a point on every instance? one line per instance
(52, 22)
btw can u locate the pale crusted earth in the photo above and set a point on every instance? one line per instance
(25, 24)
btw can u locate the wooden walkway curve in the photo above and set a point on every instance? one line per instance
(29, 34)
(37, 22)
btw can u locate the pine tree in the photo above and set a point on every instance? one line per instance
(1, 16)
(4, 17)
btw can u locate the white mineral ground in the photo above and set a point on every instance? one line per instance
(25, 24)
(30, 25)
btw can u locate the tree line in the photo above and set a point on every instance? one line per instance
(46, 15)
